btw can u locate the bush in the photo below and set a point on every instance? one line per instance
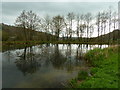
(82, 75)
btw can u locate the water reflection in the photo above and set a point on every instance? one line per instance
(57, 59)
(27, 62)
(46, 62)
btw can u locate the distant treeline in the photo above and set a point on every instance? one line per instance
(12, 33)
(29, 26)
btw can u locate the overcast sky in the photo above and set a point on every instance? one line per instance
(11, 10)
(59, 0)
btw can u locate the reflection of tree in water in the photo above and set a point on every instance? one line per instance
(47, 55)
(26, 62)
(78, 56)
(9, 54)
(78, 59)
(69, 63)
(87, 46)
(57, 59)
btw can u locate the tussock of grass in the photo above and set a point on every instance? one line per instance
(104, 69)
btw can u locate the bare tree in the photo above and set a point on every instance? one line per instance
(91, 30)
(82, 30)
(28, 21)
(105, 18)
(109, 17)
(70, 18)
(114, 19)
(82, 25)
(101, 23)
(78, 25)
(33, 23)
(46, 23)
(88, 18)
(58, 23)
(98, 24)
(66, 28)
(21, 21)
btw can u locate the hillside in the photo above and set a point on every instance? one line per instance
(12, 33)
(115, 35)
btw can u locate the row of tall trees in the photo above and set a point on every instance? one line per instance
(106, 21)
(80, 25)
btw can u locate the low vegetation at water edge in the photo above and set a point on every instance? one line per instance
(104, 72)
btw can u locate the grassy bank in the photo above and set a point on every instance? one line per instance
(103, 72)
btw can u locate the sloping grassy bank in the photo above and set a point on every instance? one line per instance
(104, 72)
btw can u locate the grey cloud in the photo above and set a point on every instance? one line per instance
(13, 9)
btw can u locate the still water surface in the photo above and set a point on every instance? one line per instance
(43, 66)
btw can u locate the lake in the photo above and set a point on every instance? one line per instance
(44, 66)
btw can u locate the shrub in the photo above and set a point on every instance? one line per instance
(82, 75)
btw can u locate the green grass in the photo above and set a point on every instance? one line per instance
(104, 71)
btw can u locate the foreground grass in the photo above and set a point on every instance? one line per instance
(104, 71)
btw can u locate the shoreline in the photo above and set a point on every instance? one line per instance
(104, 71)
(53, 42)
